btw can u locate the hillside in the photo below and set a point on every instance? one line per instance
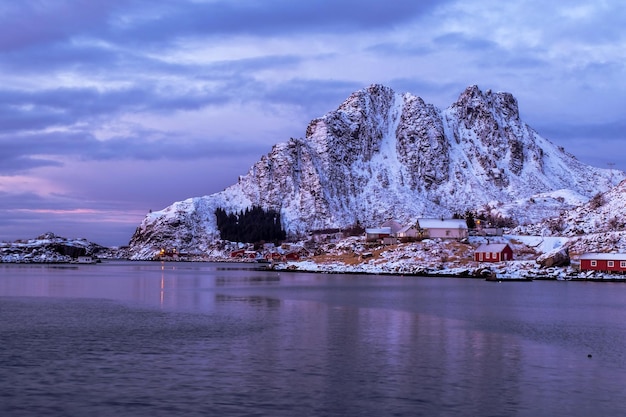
(598, 225)
(384, 155)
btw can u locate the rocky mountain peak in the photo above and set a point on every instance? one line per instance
(475, 104)
(384, 155)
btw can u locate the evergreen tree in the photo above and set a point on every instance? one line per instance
(251, 225)
(469, 220)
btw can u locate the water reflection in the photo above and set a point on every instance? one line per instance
(252, 300)
(236, 341)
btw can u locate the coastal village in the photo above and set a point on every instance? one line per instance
(427, 247)
(424, 247)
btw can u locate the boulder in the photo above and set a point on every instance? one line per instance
(556, 257)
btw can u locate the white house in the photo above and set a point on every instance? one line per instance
(444, 228)
(435, 228)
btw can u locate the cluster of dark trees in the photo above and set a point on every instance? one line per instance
(251, 225)
(356, 229)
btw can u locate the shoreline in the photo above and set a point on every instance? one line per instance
(485, 273)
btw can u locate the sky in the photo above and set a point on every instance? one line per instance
(112, 108)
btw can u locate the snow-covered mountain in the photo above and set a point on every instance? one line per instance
(49, 248)
(384, 155)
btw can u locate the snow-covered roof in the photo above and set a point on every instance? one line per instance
(491, 247)
(393, 224)
(406, 228)
(604, 256)
(378, 230)
(442, 223)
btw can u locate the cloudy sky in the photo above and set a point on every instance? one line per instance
(111, 108)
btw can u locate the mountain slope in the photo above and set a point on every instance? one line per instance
(598, 225)
(383, 155)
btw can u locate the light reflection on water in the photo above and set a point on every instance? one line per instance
(155, 339)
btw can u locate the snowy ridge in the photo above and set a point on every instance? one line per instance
(598, 225)
(384, 155)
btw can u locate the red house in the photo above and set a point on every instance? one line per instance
(292, 256)
(606, 262)
(237, 253)
(273, 256)
(493, 252)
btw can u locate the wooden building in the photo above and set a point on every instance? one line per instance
(605, 262)
(443, 228)
(493, 252)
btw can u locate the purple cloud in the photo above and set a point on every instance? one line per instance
(101, 100)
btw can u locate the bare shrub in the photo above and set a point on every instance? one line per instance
(597, 201)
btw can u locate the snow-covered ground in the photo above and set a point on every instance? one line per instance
(444, 258)
(430, 257)
(49, 248)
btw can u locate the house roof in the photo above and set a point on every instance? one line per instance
(442, 223)
(394, 224)
(378, 230)
(604, 256)
(406, 228)
(491, 247)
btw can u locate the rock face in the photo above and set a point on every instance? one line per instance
(384, 155)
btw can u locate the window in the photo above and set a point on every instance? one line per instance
(594, 263)
(610, 264)
(622, 264)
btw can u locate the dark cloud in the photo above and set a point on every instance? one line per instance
(26, 117)
(33, 110)
(42, 109)
(14, 165)
(30, 22)
(16, 151)
(64, 105)
(269, 18)
(77, 71)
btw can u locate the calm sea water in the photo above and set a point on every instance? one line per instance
(187, 339)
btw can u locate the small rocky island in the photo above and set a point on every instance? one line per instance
(50, 248)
